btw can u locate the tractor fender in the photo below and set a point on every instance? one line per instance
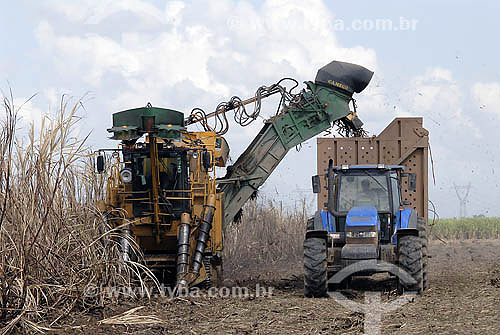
(372, 265)
(406, 222)
(407, 231)
(318, 221)
(315, 223)
(317, 234)
(322, 220)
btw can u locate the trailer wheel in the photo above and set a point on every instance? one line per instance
(411, 260)
(422, 233)
(315, 268)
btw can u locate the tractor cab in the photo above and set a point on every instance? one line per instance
(365, 194)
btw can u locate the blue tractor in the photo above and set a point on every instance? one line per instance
(364, 228)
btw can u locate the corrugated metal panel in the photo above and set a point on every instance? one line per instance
(403, 142)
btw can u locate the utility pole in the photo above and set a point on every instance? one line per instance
(462, 194)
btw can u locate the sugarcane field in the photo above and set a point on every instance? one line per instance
(249, 167)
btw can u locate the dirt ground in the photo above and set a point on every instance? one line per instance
(463, 298)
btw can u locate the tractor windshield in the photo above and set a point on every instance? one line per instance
(363, 191)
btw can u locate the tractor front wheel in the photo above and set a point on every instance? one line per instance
(315, 267)
(411, 260)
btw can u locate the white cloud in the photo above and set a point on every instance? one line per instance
(88, 57)
(173, 12)
(54, 95)
(27, 112)
(487, 95)
(433, 87)
(31, 116)
(94, 12)
(72, 10)
(437, 96)
(196, 54)
(219, 53)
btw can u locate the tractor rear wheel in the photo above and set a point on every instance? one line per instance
(411, 260)
(422, 233)
(315, 267)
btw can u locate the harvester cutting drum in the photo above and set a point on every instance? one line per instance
(163, 193)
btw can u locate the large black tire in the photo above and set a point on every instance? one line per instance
(411, 260)
(315, 268)
(422, 233)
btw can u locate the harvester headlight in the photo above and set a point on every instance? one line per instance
(361, 234)
(126, 175)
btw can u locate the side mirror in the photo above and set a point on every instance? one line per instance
(100, 164)
(316, 184)
(412, 182)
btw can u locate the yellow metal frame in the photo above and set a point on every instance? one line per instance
(148, 231)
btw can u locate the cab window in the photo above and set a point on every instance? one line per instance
(396, 197)
(363, 191)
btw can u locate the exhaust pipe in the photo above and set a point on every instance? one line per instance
(204, 233)
(183, 249)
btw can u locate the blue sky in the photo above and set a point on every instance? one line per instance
(123, 54)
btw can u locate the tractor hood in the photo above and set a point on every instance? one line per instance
(346, 76)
